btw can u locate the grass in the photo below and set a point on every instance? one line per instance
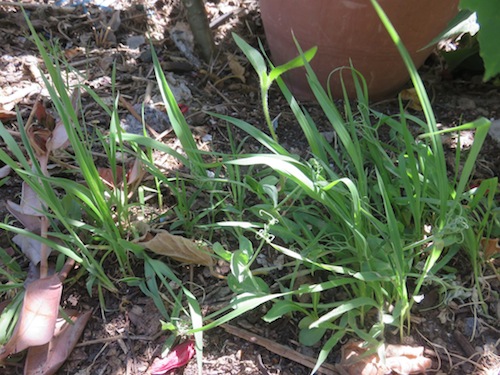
(369, 221)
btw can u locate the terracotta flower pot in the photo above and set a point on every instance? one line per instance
(351, 29)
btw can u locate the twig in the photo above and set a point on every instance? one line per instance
(281, 350)
(44, 249)
(68, 266)
(464, 343)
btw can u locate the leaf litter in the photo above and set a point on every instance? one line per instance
(48, 338)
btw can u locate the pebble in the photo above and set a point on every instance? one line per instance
(494, 131)
(155, 118)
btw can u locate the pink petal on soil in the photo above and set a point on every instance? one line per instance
(178, 357)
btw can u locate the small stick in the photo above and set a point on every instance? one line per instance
(44, 249)
(281, 350)
(68, 266)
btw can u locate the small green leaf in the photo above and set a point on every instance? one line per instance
(220, 251)
(294, 63)
(167, 326)
(272, 192)
(310, 336)
(254, 57)
(488, 17)
(239, 265)
(281, 308)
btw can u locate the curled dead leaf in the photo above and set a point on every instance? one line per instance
(236, 68)
(106, 175)
(31, 248)
(411, 96)
(47, 359)
(134, 176)
(7, 115)
(59, 137)
(178, 248)
(29, 212)
(490, 247)
(38, 316)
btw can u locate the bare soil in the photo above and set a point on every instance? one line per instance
(126, 337)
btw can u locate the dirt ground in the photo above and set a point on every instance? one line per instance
(126, 337)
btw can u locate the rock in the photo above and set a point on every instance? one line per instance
(495, 130)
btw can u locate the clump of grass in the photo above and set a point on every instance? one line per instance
(369, 221)
(91, 221)
(376, 220)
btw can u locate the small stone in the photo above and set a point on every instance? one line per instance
(494, 131)
(155, 118)
(135, 41)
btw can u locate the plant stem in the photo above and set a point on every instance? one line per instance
(198, 21)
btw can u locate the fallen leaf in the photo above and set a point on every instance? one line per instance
(490, 247)
(44, 118)
(401, 359)
(59, 137)
(5, 171)
(29, 212)
(178, 248)
(106, 175)
(71, 53)
(178, 357)
(38, 138)
(411, 96)
(47, 359)
(30, 247)
(236, 68)
(7, 115)
(135, 173)
(38, 316)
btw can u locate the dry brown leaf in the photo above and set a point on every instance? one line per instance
(411, 96)
(106, 175)
(401, 359)
(490, 247)
(6, 115)
(30, 247)
(178, 248)
(46, 359)
(59, 138)
(38, 316)
(71, 53)
(236, 68)
(135, 174)
(29, 212)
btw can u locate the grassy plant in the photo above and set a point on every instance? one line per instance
(366, 223)
(378, 219)
(91, 222)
